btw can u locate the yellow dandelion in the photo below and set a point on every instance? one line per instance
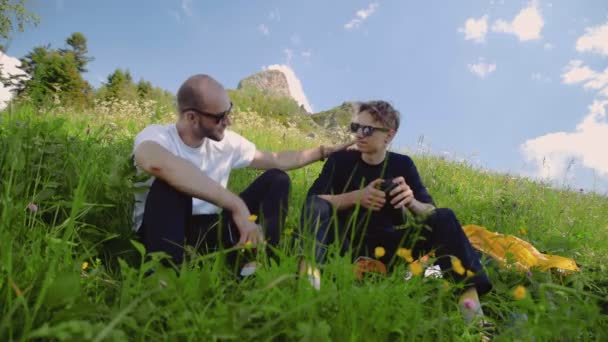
(416, 268)
(253, 218)
(522, 231)
(379, 252)
(470, 273)
(519, 292)
(248, 244)
(85, 265)
(288, 231)
(457, 266)
(405, 254)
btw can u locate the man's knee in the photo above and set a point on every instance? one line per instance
(443, 214)
(160, 185)
(316, 219)
(318, 205)
(316, 208)
(279, 177)
(161, 192)
(443, 219)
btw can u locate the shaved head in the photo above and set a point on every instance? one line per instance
(203, 93)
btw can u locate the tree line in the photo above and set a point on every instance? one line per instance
(55, 75)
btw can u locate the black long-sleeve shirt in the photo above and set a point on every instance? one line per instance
(345, 171)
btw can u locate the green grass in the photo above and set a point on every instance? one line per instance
(79, 181)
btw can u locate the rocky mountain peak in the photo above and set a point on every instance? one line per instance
(271, 82)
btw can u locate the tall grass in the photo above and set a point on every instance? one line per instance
(71, 269)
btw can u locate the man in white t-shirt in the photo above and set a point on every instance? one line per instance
(189, 163)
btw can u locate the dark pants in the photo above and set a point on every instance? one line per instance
(439, 232)
(168, 222)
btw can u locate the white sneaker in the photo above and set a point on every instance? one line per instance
(433, 271)
(314, 278)
(248, 269)
(313, 275)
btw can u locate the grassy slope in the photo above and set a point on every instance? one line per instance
(341, 115)
(76, 177)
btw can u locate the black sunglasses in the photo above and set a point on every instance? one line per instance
(219, 117)
(366, 130)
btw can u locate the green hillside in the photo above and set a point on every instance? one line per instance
(70, 271)
(336, 117)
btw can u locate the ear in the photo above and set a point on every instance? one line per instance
(190, 116)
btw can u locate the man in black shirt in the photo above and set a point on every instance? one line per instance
(347, 202)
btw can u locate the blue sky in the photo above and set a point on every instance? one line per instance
(512, 86)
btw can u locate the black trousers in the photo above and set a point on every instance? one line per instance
(440, 232)
(168, 222)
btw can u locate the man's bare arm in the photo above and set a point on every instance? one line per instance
(185, 177)
(289, 160)
(369, 197)
(403, 197)
(342, 201)
(420, 208)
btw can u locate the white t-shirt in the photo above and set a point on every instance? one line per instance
(214, 158)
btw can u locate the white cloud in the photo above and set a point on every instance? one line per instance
(475, 29)
(295, 86)
(351, 24)
(537, 76)
(307, 54)
(482, 69)
(186, 7)
(548, 46)
(361, 15)
(9, 67)
(264, 29)
(275, 15)
(594, 40)
(552, 153)
(364, 13)
(576, 72)
(599, 82)
(288, 55)
(185, 10)
(527, 24)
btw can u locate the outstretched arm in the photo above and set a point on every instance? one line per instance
(288, 160)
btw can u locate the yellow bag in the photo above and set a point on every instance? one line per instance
(525, 256)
